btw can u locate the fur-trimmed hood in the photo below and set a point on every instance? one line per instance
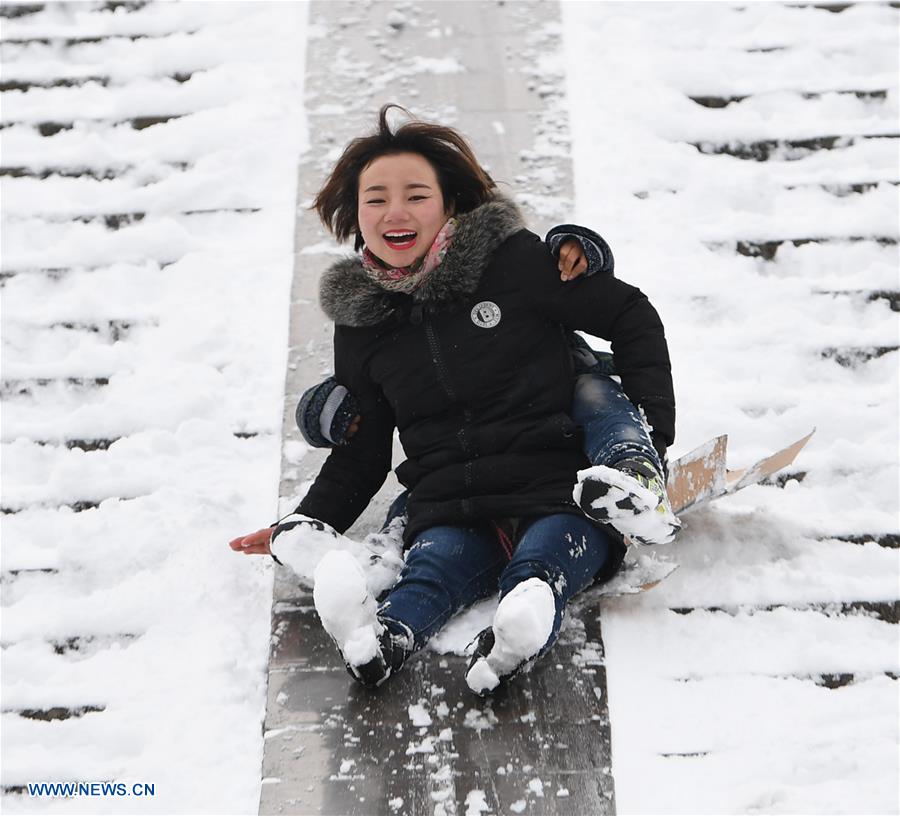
(351, 298)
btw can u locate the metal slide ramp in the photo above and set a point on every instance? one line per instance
(331, 746)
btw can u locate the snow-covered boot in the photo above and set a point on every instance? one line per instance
(349, 614)
(631, 498)
(522, 626)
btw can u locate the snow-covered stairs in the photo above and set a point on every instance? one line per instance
(742, 162)
(147, 179)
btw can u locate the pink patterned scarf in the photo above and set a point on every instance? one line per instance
(407, 279)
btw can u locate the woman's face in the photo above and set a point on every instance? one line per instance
(400, 207)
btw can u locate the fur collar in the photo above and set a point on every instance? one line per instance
(350, 298)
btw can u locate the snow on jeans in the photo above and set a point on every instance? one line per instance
(448, 568)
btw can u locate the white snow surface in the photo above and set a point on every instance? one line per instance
(717, 711)
(174, 626)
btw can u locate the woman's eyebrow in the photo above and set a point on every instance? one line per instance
(412, 186)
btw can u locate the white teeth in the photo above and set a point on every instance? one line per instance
(406, 235)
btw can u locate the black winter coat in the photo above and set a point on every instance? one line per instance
(475, 371)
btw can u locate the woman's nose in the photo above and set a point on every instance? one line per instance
(397, 211)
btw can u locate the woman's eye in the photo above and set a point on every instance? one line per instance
(375, 201)
(417, 198)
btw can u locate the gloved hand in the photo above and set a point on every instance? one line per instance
(327, 414)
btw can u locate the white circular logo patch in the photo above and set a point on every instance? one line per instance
(486, 314)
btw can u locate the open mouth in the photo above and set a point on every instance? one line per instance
(400, 240)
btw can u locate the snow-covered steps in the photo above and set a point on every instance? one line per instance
(149, 157)
(757, 206)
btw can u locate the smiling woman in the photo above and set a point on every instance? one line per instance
(451, 326)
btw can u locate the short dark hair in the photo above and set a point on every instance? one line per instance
(464, 182)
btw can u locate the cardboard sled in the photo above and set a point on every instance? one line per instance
(702, 475)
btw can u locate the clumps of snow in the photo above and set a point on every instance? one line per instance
(458, 635)
(379, 555)
(425, 746)
(346, 607)
(347, 765)
(522, 625)
(419, 715)
(480, 720)
(536, 787)
(518, 806)
(562, 793)
(476, 803)
(396, 803)
(294, 450)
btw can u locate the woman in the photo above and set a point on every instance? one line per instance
(451, 326)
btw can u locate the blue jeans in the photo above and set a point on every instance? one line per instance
(613, 427)
(449, 568)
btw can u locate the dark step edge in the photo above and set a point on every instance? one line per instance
(763, 149)
(871, 295)
(890, 541)
(15, 573)
(844, 190)
(91, 445)
(683, 754)
(849, 357)
(829, 680)
(9, 11)
(71, 42)
(26, 85)
(23, 386)
(712, 101)
(887, 611)
(58, 272)
(767, 250)
(76, 506)
(137, 123)
(99, 174)
(781, 479)
(76, 642)
(115, 221)
(836, 189)
(54, 713)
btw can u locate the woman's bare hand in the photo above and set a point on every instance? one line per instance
(572, 260)
(254, 544)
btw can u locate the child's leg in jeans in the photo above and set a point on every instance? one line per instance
(613, 427)
(557, 557)
(447, 569)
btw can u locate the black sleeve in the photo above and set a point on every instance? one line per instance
(353, 473)
(606, 307)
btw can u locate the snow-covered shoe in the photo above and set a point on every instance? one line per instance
(348, 613)
(522, 626)
(631, 498)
